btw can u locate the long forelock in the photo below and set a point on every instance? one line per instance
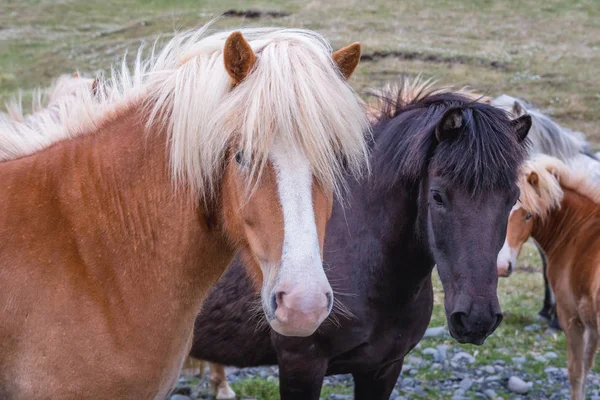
(485, 156)
(294, 92)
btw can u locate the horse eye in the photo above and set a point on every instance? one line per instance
(528, 217)
(438, 198)
(239, 157)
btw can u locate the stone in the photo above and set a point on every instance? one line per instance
(519, 360)
(463, 356)
(488, 369)
(532, 327)
(517, 385)
(442, 353)
(180, 397)
(551, 355)
(490, 393)
(436, 331)
(430, 351)
(493, 378)
(341, 397)
(466, 384)
(551, 370)
(541, 359)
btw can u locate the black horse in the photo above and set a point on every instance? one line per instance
(443, 181)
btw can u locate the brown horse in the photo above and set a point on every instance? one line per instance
(137, 198)
(560, 209)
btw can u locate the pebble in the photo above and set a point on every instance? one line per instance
(490, 393)
(436, 331)
(340, 397)
(180, 397)
(519, 360)
(430, 351)
(541, 359)
(517, 385)
(532, 327)
(463, 356)
(493, 378)
(489, 369)
(551, 370)
(466, 384)
(551, 355)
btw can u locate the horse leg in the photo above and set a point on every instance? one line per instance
(574, 333)
(591, 346)
(548, 306)
(301, 379)
(218, 380)
(377, 385)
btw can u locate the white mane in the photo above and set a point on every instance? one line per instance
(295, 92)
(545, 135)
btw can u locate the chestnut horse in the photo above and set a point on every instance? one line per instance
(136, 199)
(444, 180)
(547, 137)
(560, 208)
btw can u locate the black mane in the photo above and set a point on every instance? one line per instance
(485, 156)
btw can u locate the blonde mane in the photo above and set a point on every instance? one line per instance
(553, 175)
(295, 93)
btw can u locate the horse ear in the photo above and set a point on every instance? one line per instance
(451, 125)
(522, 126)
(238, 56)
(518, 109)
(347, 59)
(76, 74)
(534, 180)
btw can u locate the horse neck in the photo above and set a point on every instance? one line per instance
(153, 239)
(396, 219)
(557, 233)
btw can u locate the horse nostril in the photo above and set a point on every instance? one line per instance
(510, 268)
(499, 318)
(273, 303)
(329, 301)
(458, 321)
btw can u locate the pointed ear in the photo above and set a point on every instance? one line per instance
(522, 126)
(238, 56)
(451, 125)
(347, 59)
(76, 74)
(534, 180)
(518, 109)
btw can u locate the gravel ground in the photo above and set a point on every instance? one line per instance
(438, 369)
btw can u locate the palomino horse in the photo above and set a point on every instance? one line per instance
(547, 137)
(560, 208)
(443, 183)
(146, 192)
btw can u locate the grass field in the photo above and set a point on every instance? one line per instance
(546, 51)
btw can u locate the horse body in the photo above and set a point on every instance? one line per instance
(561, 211)
(84, 265)
(382, 249)
(133, 206)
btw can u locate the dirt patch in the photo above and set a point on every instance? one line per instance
(414, 55)
(255, 14)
